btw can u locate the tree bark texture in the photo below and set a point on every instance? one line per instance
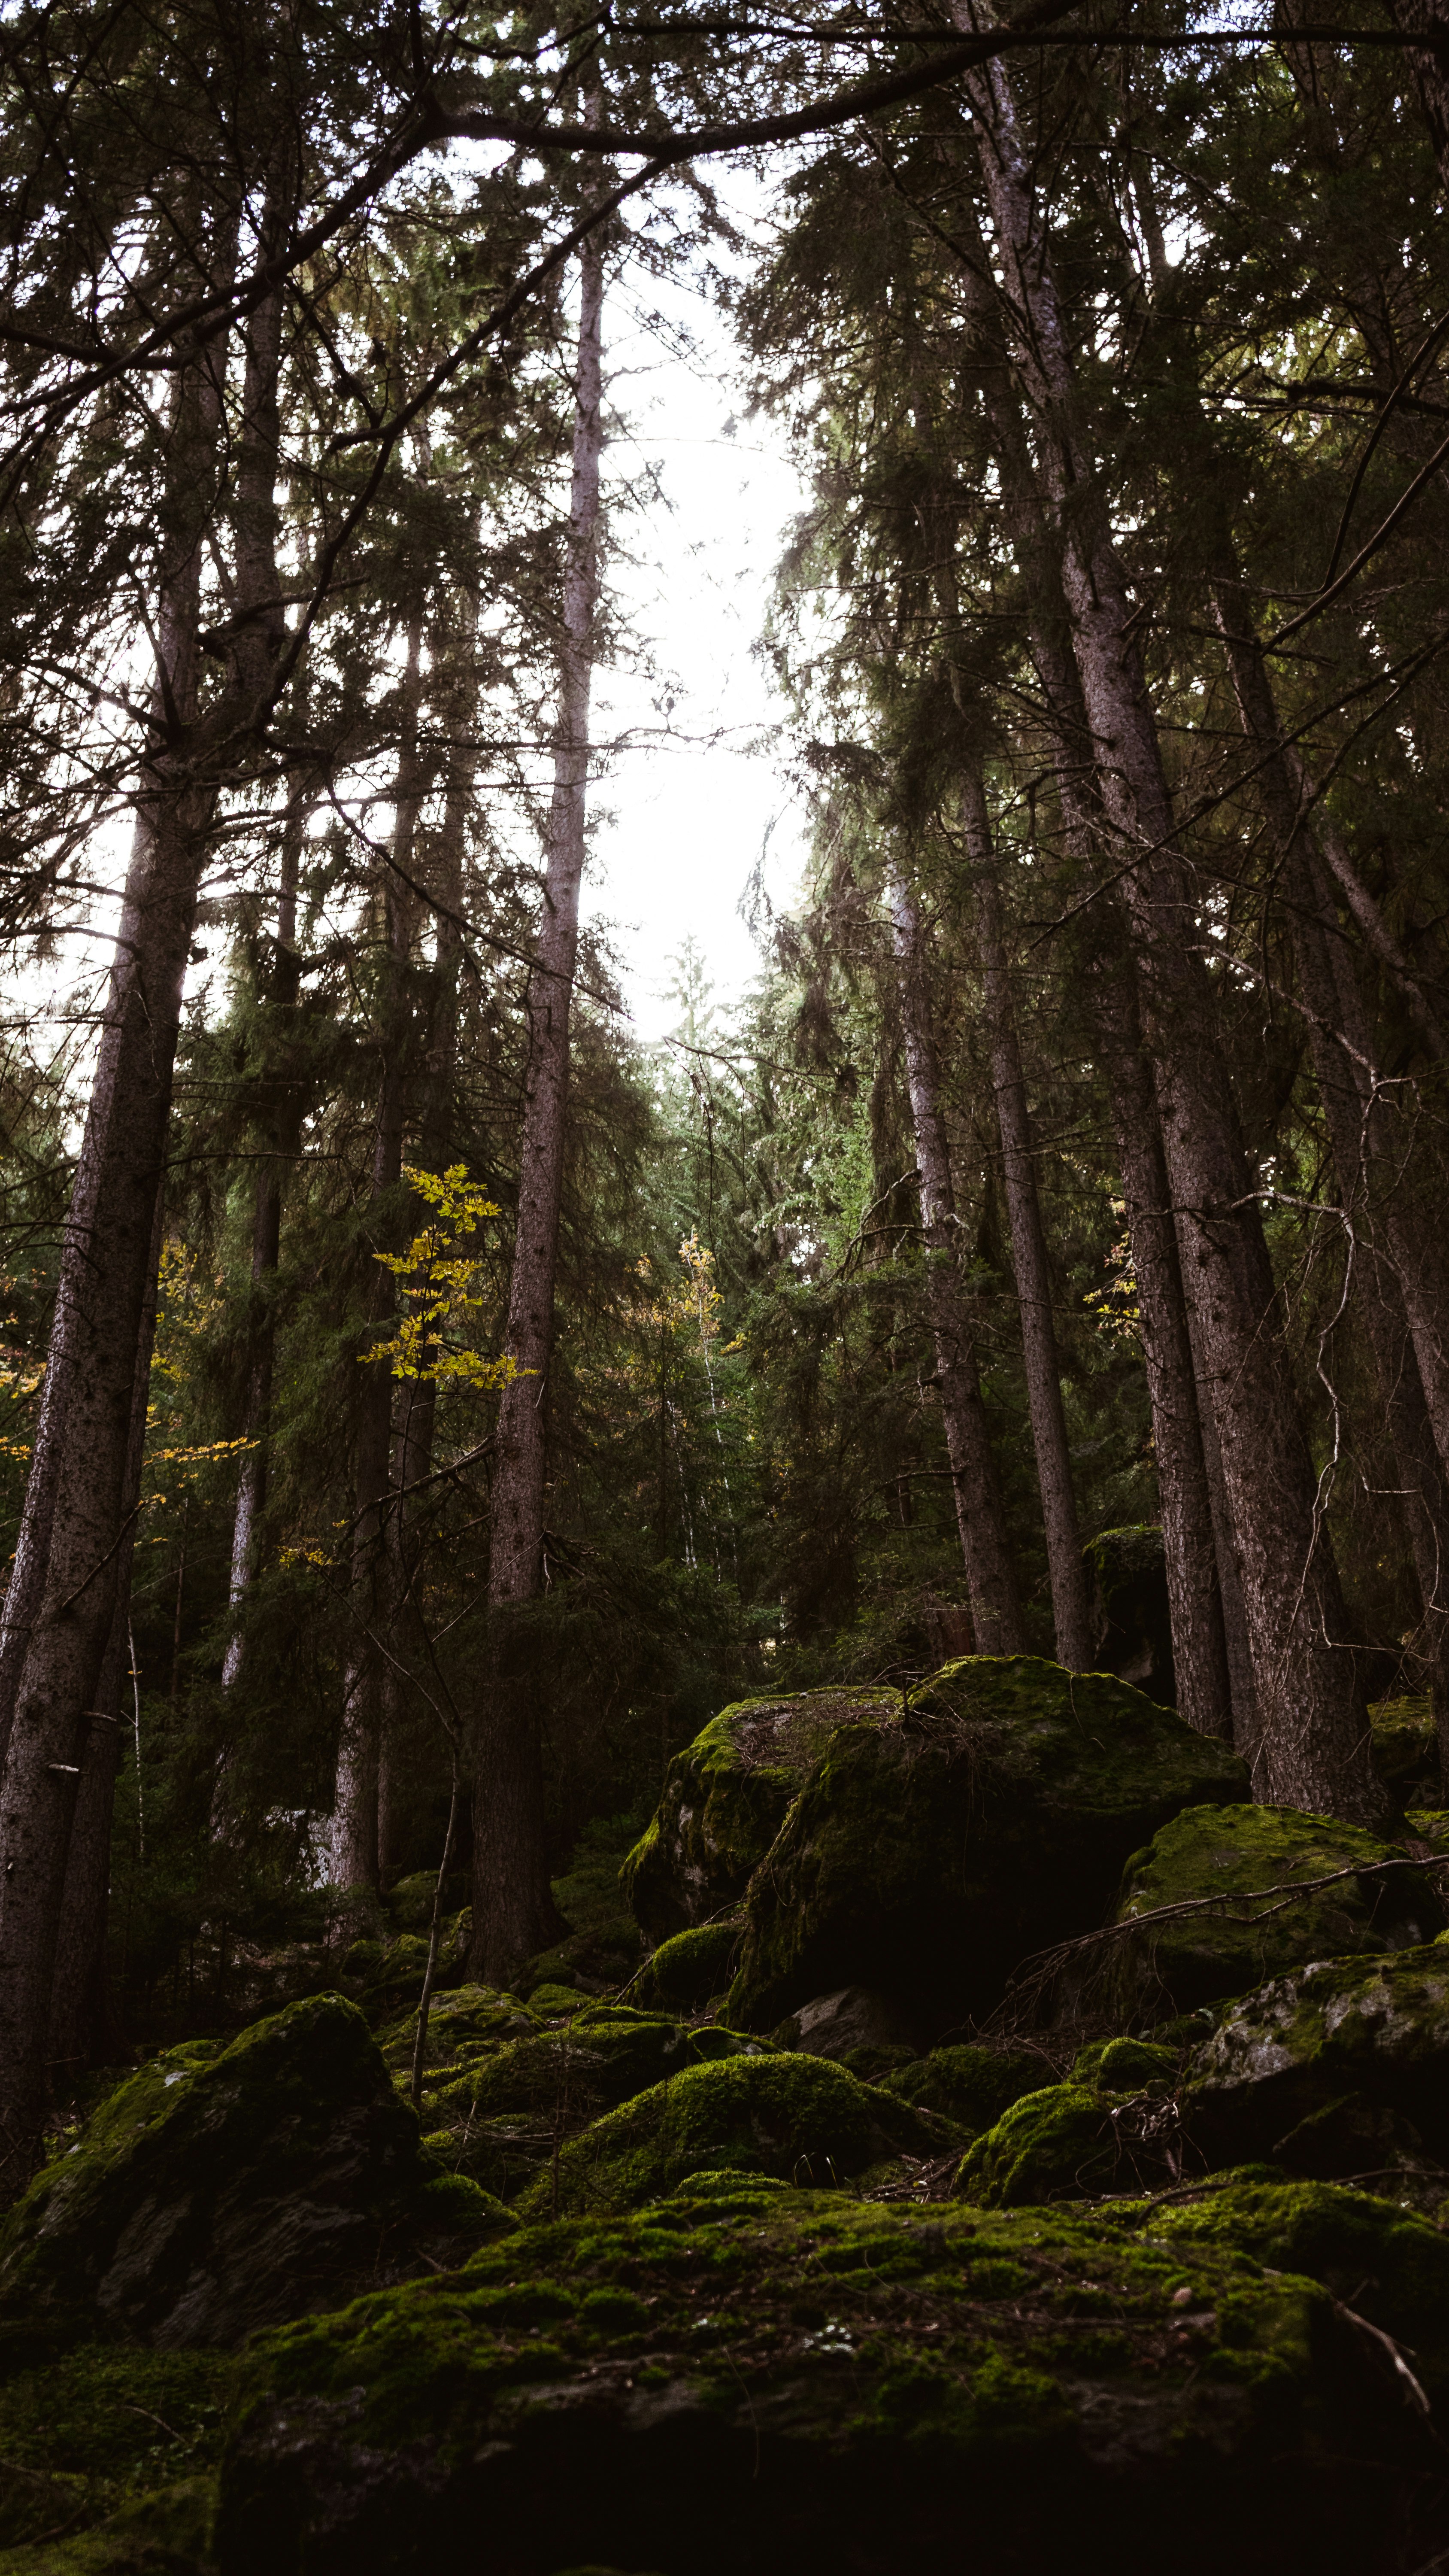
(414, 1415)
(1312, 1746)
(266, 1246)
(355, 1857)
(1211, 1661)
(1070, 1612)
(1207, 1688)
(1388, 1253)
(513, 1910)
(78, 2015)
(77, 1514)
(990, 1581)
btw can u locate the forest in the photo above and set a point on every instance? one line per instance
(724, 1762)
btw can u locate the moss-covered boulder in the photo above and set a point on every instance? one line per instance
(689, 1969)
(86, 2438)
(465, 2027)
(801, 2119)
(220, 2189)
(1338, 2068)
(970, 2085)
(502, 2120)
(1388, 2263)
(1406, 1746)
(725, 1799)
(1130, 1613)
(1217, 1859)
(929, 1855)
(801, 2385)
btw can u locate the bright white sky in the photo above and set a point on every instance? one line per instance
(690, 814)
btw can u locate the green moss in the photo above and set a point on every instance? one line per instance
(506, 2116)
(1124, 2066)
(725, 1798)
(470, 2023)
(212, 2193)
(800, 2118)
(1058, 2144)
(1405, 1743)
(89, 2434)
(1387, 2263)
(927, 1858)
(690, 1968)
(1311, 2046)
(971, 2086)
(167, 2533)
(835, 2384)
(1232, 1852)
(550, 2001)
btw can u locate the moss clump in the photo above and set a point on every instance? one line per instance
(212, 2193)
(1387, 2263)
(690, 1968)
(927, 1858)
(464, 2027)
(1131, 1617)
(90, 2433)
(1406, 1745)
(795, 2382)
(1234, 1852)
(971, 2086)
(1125, 2066)
(725, 1798)
(1321, 2064)
(505, 2117)
(801, 2118)
(1058, 2144)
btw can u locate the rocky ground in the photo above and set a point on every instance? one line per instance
(1016, 2151)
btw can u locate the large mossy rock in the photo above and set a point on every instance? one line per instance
(689, 1969)
(930, 1855)
(1387, 2263)
(803, 2385)
(725, 1799)
(801, 2119)
(222, 2189)
(1231, 1854)
(503, 2119)
(1130, 1612)
(968, 2084)
(1337, 2068)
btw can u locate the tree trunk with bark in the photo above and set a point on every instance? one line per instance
(990, 1581)
(355, 1855)
(1211, 1661)
(1341, 1048)
(415, 1403)
(251, 1497)
(513, 1910)
(1070, 1612)
(78, 2013)
(1312, 1748)
(77, 1512)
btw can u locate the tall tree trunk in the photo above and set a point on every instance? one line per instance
(990, 1581)
(513, 1910)
(285, 982)
(1211, 1659)
(1209, 1686)
(78, 2015)
(1341, 1048)
(1070, 1613)
(77, 1511)
(355, 1857)
(1313, 1742)
(415, 1403)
